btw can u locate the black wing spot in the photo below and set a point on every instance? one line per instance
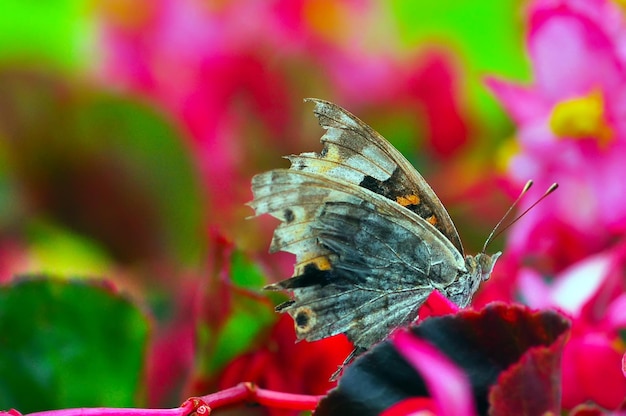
(390, 188)
(302, 319)
(311, 276)
(289, 215)
(305, 319)
(372, 184)
(393, 189)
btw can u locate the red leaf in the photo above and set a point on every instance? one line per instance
(532, 385)
(484, 344)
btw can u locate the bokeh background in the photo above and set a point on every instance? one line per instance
(130, 129)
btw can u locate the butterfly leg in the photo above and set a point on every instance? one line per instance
(355, 353)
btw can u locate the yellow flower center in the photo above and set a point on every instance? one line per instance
(509, 149)
(581, 117)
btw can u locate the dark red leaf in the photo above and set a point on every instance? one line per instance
(484, 344)
(532, 385)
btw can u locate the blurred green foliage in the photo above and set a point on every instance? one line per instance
(105, 166)
(487, 36)
(57, 32)
(247, 318)
(57, 337)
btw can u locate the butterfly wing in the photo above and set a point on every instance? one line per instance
(356, 153)
(364, 262)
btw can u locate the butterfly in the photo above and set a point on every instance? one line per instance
(371, 238)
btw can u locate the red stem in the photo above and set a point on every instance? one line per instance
(241, 393)
(249, 393)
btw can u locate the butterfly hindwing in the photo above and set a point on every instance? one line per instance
(369, 243)
(348, 242)
(365, 316)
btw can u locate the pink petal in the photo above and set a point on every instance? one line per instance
(571, 54)
(447, 385)
(591, 371)
(534, 290)
(436, 305)
(434, 83)
(522, 103)
(615, 316)
(608, 191)
(576, 285)
(573, 391)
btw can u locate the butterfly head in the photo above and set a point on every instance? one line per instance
(478, 268)
(484, 263)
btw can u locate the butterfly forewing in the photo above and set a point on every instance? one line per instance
(356, 153)
(324, 218)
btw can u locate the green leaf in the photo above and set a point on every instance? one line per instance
(53, 31)
(152, 153)
(243, 326)
(106, 168)
(66, 253)
(248, 316)
(245, 273)
(69, 344)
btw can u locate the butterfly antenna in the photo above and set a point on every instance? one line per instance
(528, 185)
(493, 234)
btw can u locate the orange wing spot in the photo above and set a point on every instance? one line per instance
(322, 263)
(432, 220)
(331, 155)
(408, 200)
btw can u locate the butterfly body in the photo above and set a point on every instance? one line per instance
(371, 238)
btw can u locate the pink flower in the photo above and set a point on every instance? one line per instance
(200, 64)
(591, 371)
(571, 125)
(592, 292)
(572, 130)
